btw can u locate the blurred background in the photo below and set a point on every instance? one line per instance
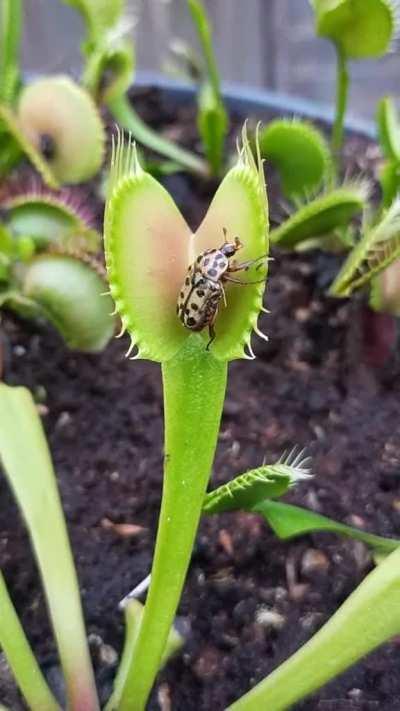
(261, 43)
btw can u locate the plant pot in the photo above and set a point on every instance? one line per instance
(103, 416)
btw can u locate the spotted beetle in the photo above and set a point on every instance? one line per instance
(203, 288)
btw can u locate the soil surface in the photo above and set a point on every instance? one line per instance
(315, 385)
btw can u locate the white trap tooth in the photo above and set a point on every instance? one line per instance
(261, 334)
(121, 332)
(130, 349)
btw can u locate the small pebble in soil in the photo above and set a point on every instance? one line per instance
(164, 697)
(63, 420)
(208, 663)
(124, 530)
(270, 618)
(314, 562)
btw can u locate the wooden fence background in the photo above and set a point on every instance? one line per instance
(265, 43)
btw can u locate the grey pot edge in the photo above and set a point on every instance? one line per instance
(251, 99)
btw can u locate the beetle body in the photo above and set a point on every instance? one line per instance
(203, 288)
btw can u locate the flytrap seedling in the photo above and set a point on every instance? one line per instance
(109, 71)
(49, 270)
(212, 119)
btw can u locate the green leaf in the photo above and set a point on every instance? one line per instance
(376, 250)
(299, 152)
(389, 178)
(204, 34)
(362, 28)
(133, 610)
(369, 617)
(127, 118)
(322, 215)
(212, 122)
(268, 481)
(10, 39)
(388, 126)
(28, 468)
(289, 521)
(20, 657)
(212, 119)
(68, 293)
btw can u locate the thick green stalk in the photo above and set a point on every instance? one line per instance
(10, 24)
(127, 117)
(342, 90)
(21, 659)
(369, 617)
(194, 388)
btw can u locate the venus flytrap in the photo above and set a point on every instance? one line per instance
(108, 73)
(212, 119)
(149, 248)
(359, 29)
(49, 271)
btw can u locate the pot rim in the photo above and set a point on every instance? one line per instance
(250, 98)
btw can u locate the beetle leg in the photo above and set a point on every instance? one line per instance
(243, 283)
(223, 295)
(236, 267)
(212, 334)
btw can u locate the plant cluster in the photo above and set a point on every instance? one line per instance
(50, 268)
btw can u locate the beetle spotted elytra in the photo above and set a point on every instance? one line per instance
(203, 288)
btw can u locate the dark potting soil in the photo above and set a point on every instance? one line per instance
(250, 601)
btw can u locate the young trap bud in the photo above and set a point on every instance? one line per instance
(153, 259)
(361, 28)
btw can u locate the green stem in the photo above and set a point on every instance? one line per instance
(127, 117)
(20, 657)
(10, 24)
(28, 468)
(342, 90)
(194, 387)
(369, 617)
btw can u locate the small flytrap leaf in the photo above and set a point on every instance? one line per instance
(289, 521)
(269, 481)
(68, 293)
(300, 154)
(49, 218)
(377, 249)
(361, 28)
(149, 249)
(109, 71)
(323, 215)
(59, 119)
